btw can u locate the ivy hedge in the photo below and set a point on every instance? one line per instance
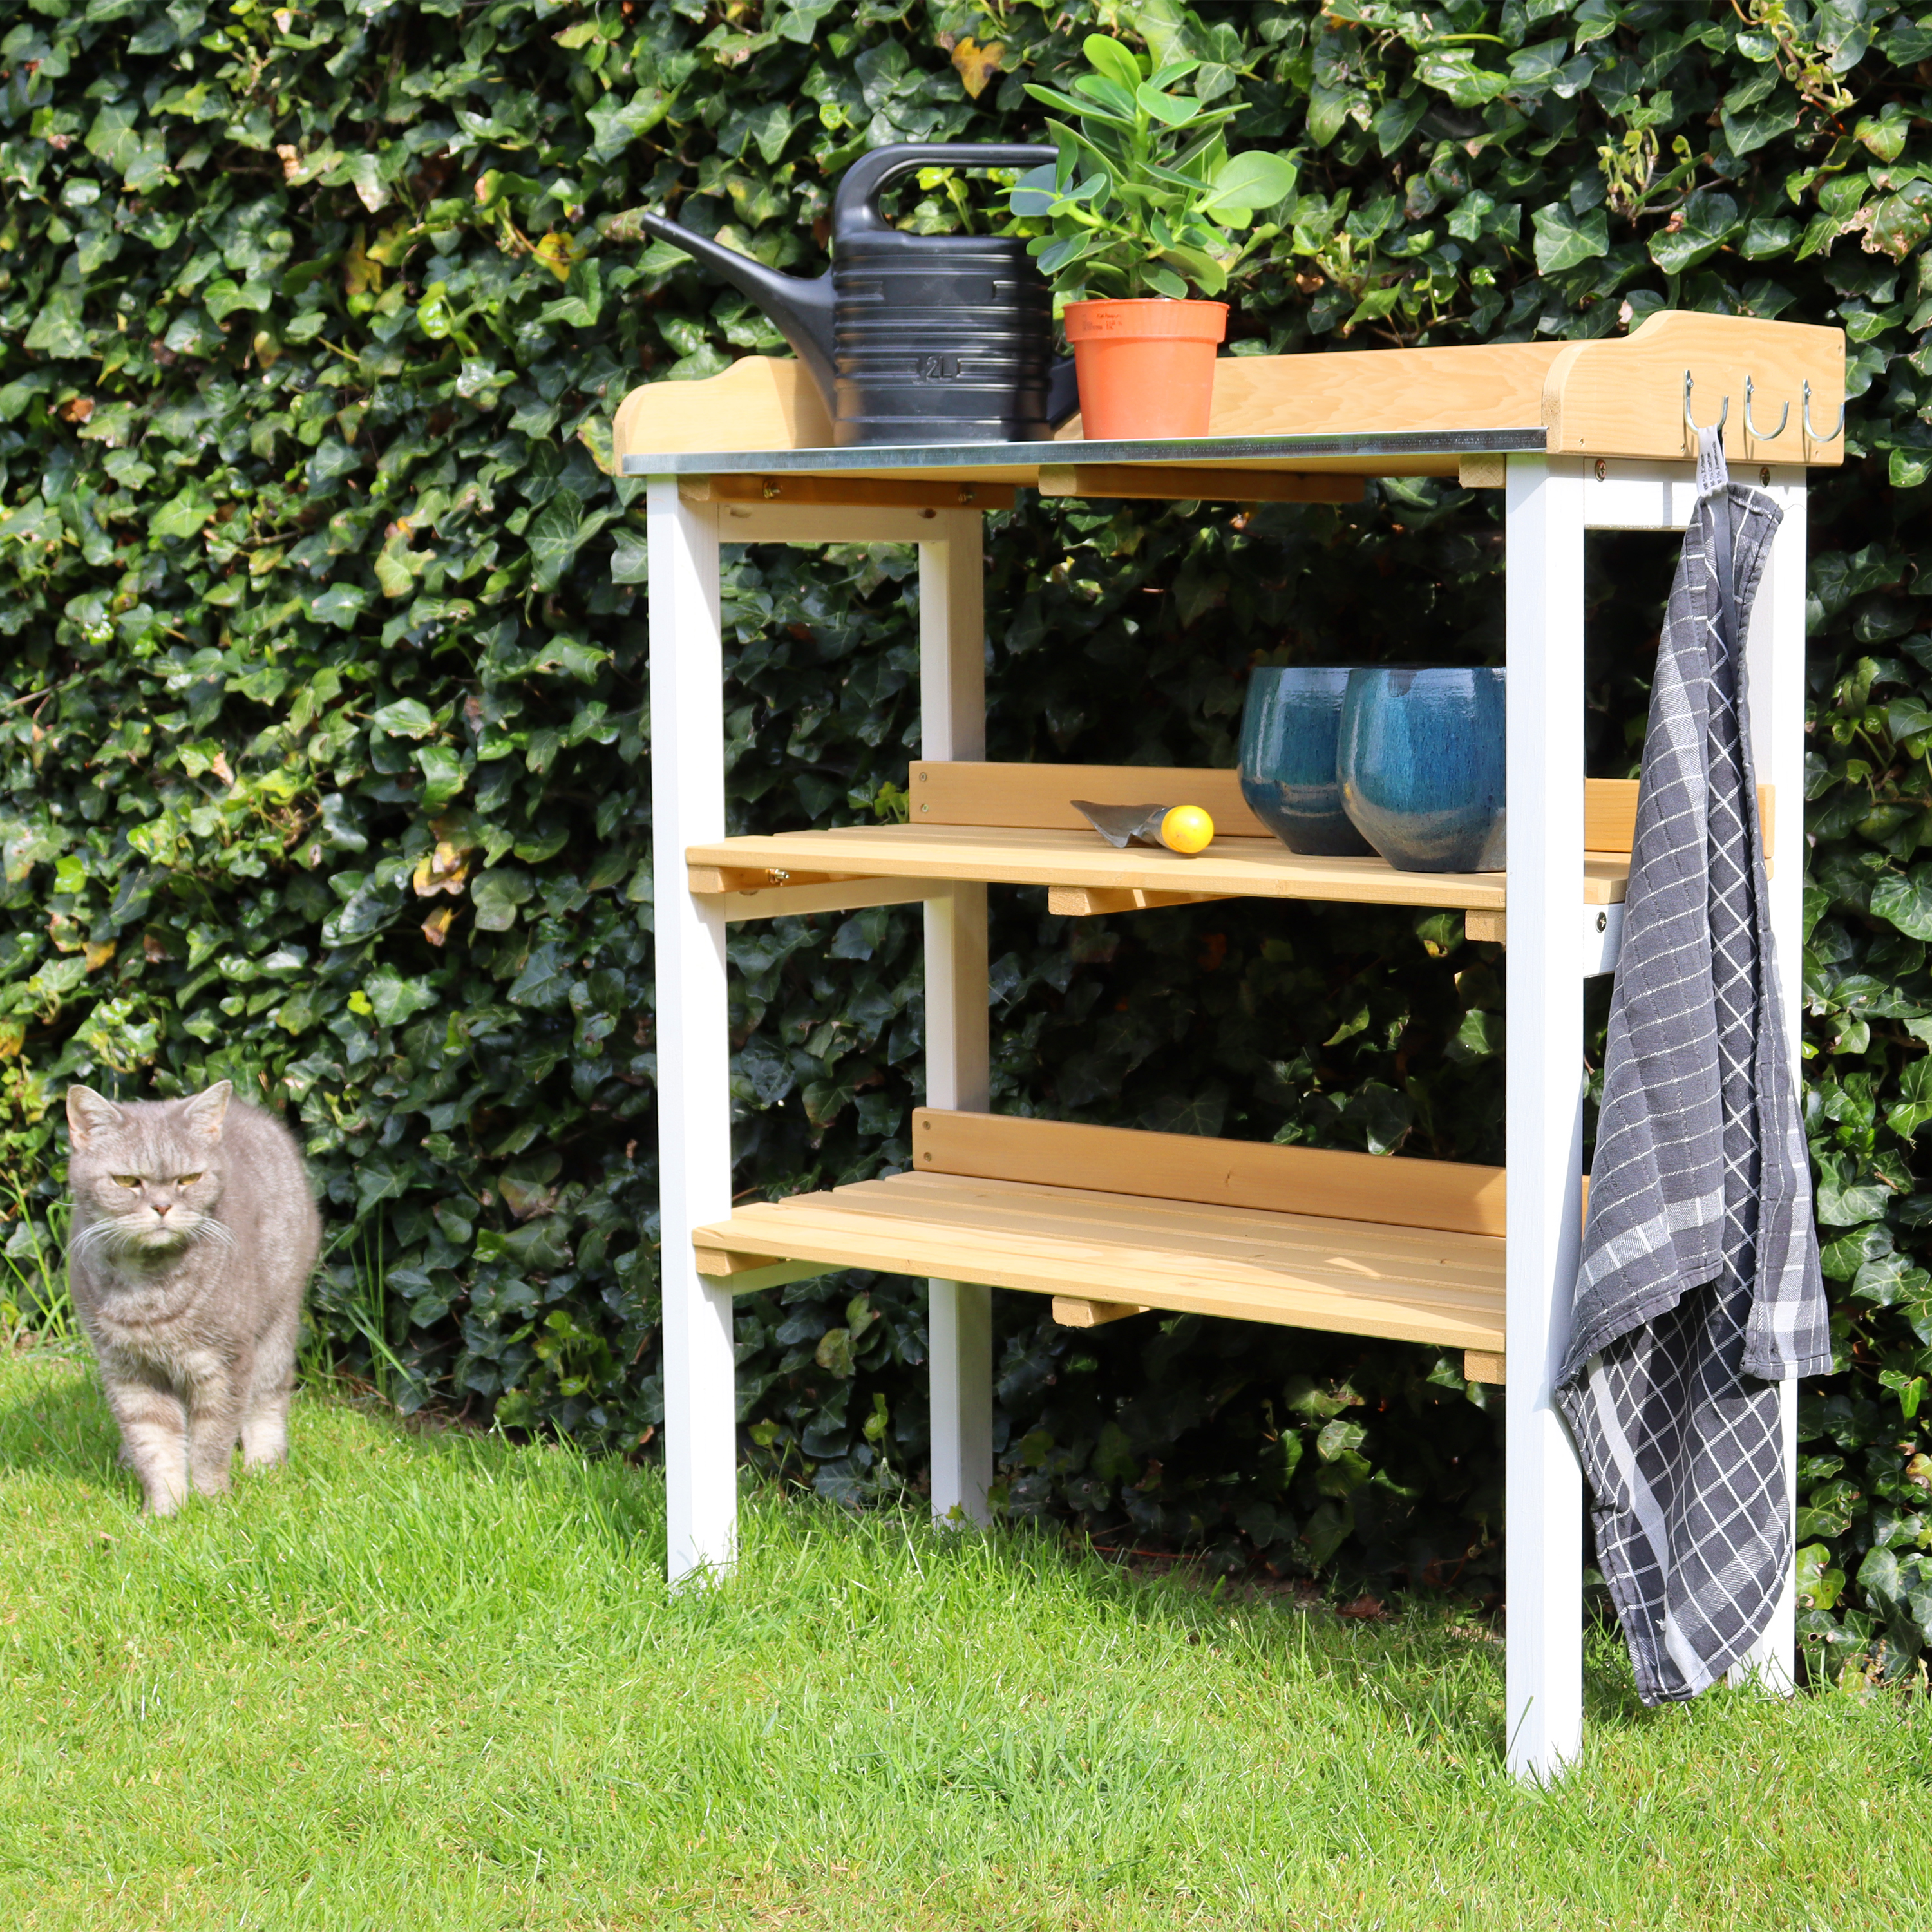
(324, 714)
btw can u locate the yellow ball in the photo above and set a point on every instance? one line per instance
(1187, 829)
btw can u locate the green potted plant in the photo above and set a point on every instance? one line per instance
(1143, 206)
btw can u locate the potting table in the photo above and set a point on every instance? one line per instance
(1110, 1223)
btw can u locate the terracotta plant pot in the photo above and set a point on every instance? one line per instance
(1145, 368)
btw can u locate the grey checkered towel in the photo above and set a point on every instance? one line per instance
(1699, 1289)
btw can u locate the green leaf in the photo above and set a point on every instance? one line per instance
(1252, 180)
(1565, 238)
(1905, 898)
(1110, 58)
(442, 775)
(406, 717)
(1165, 107)
(1454, 71)
(340, 604)
(1707, 221)
(554, 536)
(497, 893)
(183, 515)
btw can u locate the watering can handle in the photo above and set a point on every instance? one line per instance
(855, 207)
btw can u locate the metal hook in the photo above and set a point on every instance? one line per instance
(1690, 421)
(1811, 434)
(1751, 429)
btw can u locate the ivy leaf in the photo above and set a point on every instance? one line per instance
(1757, 125)
(340, 604)
(183, 515)
(442, 775)
(497, 893)
(1706, 221)
(554, 536)
(1564, 238)
(1905, 898)
(406, 717)
(1452, 70)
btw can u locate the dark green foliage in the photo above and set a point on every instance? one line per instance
(324, 698)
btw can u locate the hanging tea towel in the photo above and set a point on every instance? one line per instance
(1699, 1289)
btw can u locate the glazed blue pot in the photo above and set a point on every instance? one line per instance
(1420, 761)
(1289, 730)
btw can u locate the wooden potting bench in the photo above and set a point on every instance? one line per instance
(1579, 436)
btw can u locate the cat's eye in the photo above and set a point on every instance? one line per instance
(126, 1180)
(186, 1180)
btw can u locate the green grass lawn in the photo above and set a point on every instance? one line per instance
(431, 1680)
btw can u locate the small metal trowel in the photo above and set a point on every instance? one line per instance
(1185, 829)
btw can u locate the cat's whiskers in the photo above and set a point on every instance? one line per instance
(120, 1235)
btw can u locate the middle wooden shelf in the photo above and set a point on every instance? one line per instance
(1012, 824)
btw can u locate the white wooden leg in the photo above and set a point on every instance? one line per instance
(1774, 670)
(1544, 1087)
(693, 1047)
(952, 714)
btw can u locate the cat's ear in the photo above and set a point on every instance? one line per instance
(204, 1113)
(89, 1114)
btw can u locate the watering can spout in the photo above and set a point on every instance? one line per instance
(802, 309)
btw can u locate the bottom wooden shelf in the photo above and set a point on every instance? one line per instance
(1384, 1276)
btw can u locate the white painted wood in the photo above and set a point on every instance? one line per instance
(826, 523)
(1544, 1555)
(1603, 931)
(1774, 695)
(694, 1050)
(832, 895)
(952, 725)
(1633, 496)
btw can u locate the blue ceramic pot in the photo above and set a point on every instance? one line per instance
(1421, 764)
(1288, 731)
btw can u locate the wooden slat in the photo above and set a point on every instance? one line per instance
(1451, 1195)
(713, 880)
(1298, 1270)
(1610, 815)
(761, 402)
(1183, 483)
(1073, 1311)
(1042, 796)
(963, 794)
(1625, 397)
(750, 1274)
(1481, 1366)
(859, 492)
(1017, 855)
(1087, 901)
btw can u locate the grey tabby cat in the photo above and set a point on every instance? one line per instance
(194, 1236)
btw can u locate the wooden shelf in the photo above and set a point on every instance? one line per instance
(1014, 825)
(1083, 862)
(1371, 1264)
(1348, 413)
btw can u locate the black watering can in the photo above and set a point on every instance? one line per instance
(913, 338)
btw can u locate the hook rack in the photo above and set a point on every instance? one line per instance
(1812, 434)
(1690, 422)
(1751, 429)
